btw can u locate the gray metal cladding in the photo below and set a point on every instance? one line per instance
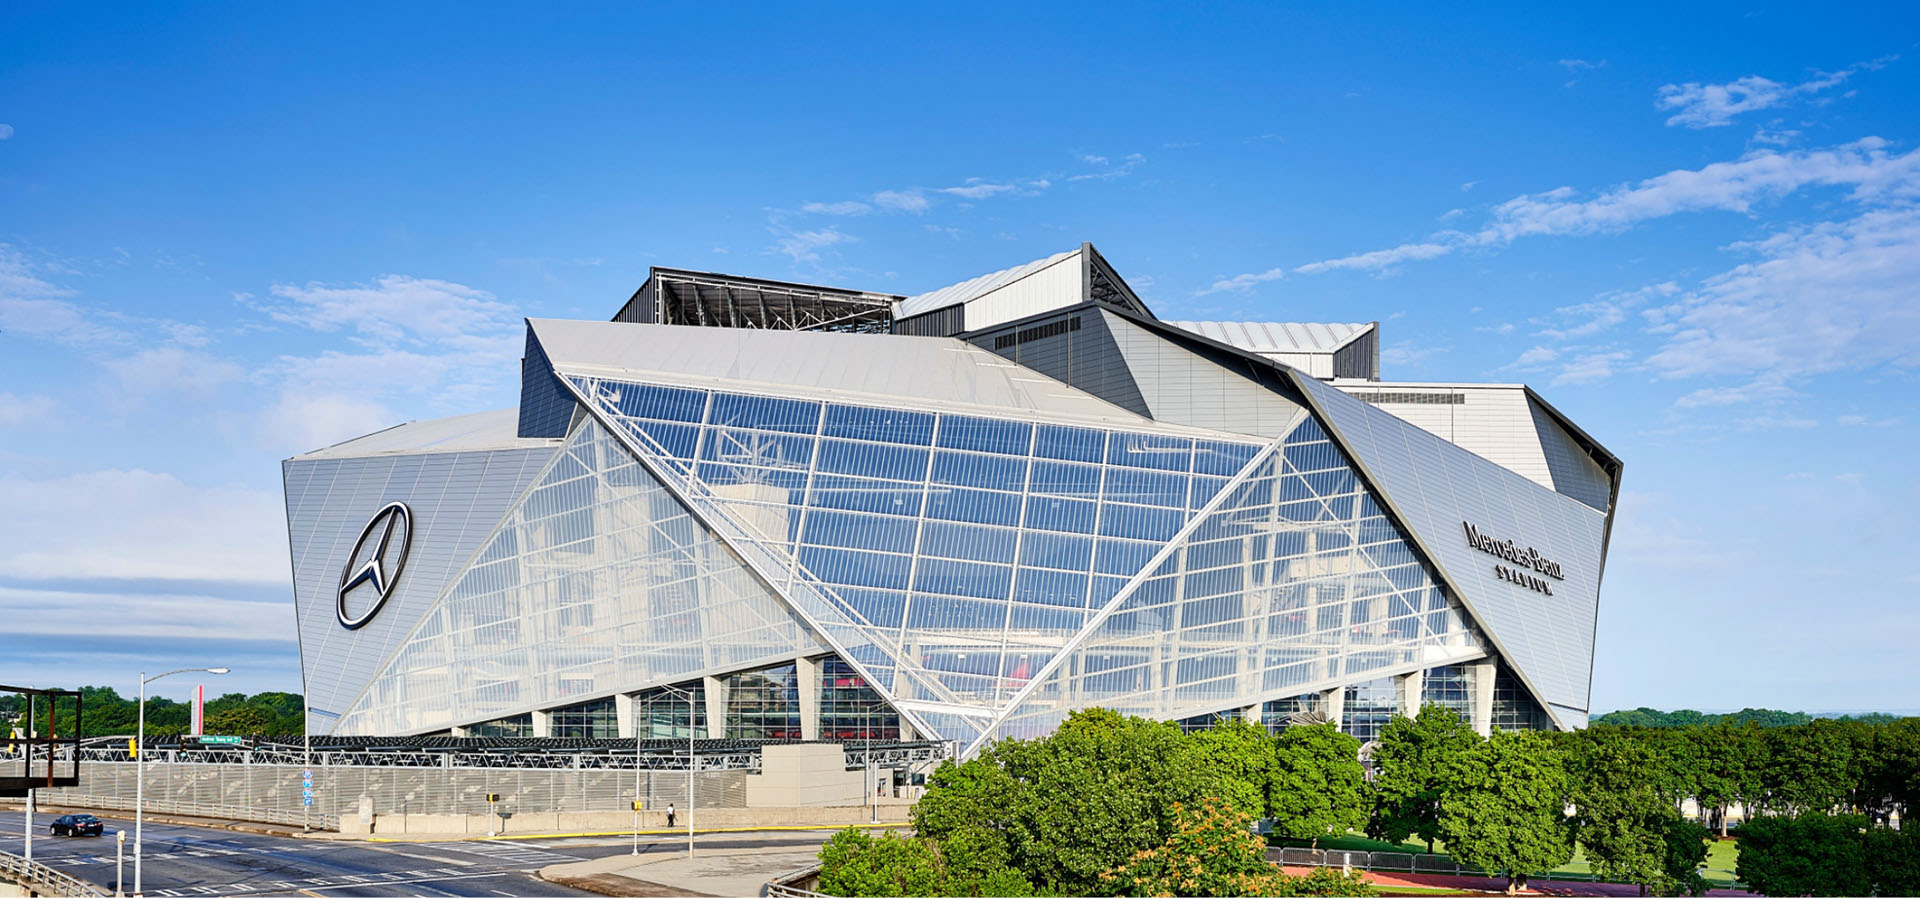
(1437, 488)
(1574, 472)
(938, 323)
(1084, 356)
(456, 499)
(1180, 386)
(545, 406)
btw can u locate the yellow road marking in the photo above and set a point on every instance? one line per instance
(653, 832)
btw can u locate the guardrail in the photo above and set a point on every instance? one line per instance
(40, 879)
(786, 885)
(1407, 862)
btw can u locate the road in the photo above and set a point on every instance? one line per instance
(192, 862)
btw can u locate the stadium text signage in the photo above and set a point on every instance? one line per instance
(1524, 559)
(380, 570)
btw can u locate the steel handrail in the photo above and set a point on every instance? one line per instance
(44, 880)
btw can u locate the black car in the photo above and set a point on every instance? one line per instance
(77, 825)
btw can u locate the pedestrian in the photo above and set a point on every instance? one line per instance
(669, 815)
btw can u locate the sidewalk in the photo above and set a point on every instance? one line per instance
(708, 873)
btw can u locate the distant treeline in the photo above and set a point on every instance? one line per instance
(266, 714)
(1648, 717)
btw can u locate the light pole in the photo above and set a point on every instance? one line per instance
(140, 764)
(692, 719)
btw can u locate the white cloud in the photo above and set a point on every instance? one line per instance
(18, 410)
(150, 615)
(1241, 283)
(173, 368)
(977, 188)
(1589, 367)
(1575, 65)
(134, 524)
(6, 131)
(304, 420)
(901, 200)
(1761, 389)
(396, 309)
(1605, 311)
(1714, 105)
(1538, 355)
(1107, 171)
(1379, 259)
(850, 207)
(1865, 166)
(805, 246)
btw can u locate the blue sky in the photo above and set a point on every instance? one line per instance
(228, 235)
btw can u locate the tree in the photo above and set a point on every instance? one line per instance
(1412, 769)
(1318, 787)
(1807, 767)
(1686, 843)
(1893, 860)
(1621, 818)
(1210, 852)
(241, 720)
(1505, 812)
(1240, 755)
(855, 865)
(1101, 788)
(1811, 854)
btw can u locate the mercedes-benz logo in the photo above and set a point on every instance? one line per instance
(380, 570)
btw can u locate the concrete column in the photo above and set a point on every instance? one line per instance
(461, 732)
(1480, 677)
(1251, 714)
(716, 709)
(807, 671)
(1406, 692)
(542, 724)
(1332, 703)
(626, 710)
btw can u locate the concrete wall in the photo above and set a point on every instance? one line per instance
(808, 776)
(704, 819)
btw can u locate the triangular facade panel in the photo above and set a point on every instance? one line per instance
(949, 554)
(1296, 582)
(597, 581)
(1540, 609)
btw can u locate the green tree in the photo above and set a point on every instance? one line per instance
(978, 797)
(1210, 852)
(1621, 818)
(1686, 843)
(975, 863)
(241, 720)
(1412, 769)
(854, 864)
(1318, 787)
(1807, 768)
(1101, 788)
(1893, 860)
(1240, 757)
(1505, 812)
(1811, 854)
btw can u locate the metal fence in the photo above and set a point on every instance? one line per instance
(1405, 862)
(273, 792)
(40, 879)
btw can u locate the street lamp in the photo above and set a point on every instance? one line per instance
(140, 764)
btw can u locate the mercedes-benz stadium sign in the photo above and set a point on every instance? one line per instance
(1528, 557)
(380, 571)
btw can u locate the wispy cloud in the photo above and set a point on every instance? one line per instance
(849, 207)
(977, 189)
(901, 200)
(128, 524)
(1590, 367)
(1107, 171)
(1700, 105)
(1580, 65)
(1241, 283)
(805, 246)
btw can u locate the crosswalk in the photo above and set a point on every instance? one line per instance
(322, 883)
(510, 853)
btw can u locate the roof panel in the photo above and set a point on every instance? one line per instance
(1277, 336)
(498, 429)
(968, 290)
(885, 369)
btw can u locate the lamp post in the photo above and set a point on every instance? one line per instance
(692, 719)
(140, 765)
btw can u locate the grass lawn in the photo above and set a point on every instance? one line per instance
(1721, 855)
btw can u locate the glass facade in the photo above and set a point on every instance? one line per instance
(850, 710)
(517, 725)
(596, 719)
(1450, 687)
(764, 704)
(597, 581)
(667, 713)
(1513, 708)
(1367, 707)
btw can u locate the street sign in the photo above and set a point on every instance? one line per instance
(221, 740)
(308, 801)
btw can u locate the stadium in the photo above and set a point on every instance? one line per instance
(773, 512)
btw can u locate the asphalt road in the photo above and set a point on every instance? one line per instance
(192, 862)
